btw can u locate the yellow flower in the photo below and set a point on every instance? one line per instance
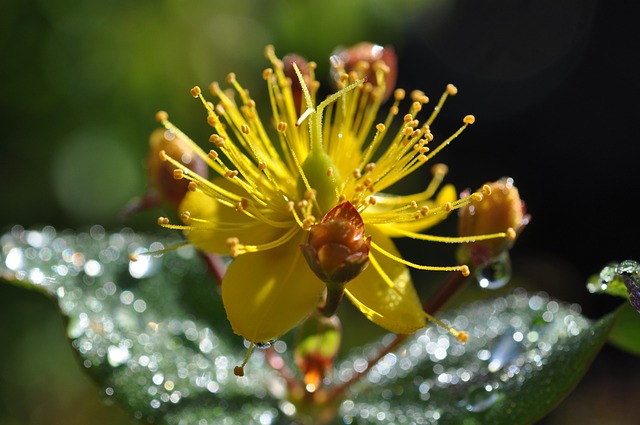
(274, 180)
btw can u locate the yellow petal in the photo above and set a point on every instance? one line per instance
(267, 293)
(398, 310)
(446, 194)
(223, 223)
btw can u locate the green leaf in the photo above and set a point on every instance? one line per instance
(524, 354)
(152, 333)
(626, 331)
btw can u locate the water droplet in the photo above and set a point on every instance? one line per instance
(496, 273)
(481, 398)
(265, 344)
(505, 351)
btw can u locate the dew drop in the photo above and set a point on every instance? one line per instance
(264, 344)
(481, 398)
(496, 273)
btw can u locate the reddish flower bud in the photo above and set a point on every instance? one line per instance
(289, 71)
(366, 59)
(337, 250)
(162, 179)
(499, 210)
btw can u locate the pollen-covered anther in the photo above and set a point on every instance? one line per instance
(195, 91)
(163, 221)
(359, 187)
(452, 90)
(367, 182)
(399, 94)
(464, 269)
(178, 174)
(217, 140)
(380, 127)
(407, 131)
(407, 118)
(487, 189)
(371, 200)
(133, 257)
(242, 205)
(357, 173)
(413, 205)
(231, 174)
(422, 158)
(162, 155)
(477, 196)
(185, 216)
(245, 129)
(262, 165)
(424, 211)
(511, 233)
(448, 206)
(231, 77)
(290, 206)
(212, 121)
(469, 119)
(462, 336)
(308, 222)
(212, 155)
(282, 126)
(310, 194)
(370, 167)
(192, 186)
(162, 116)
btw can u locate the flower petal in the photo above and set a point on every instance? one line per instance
(223, 222)
(398, 310)
(267, 293)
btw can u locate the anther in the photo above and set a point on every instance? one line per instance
(161, 116)
(192, 186)
(477, 196)
(309, 194)
(212, 121)
(413, 204)
(282, 126)
(329, 172)
(424, 210)
(245, 129)
(163, 155)
(380, 127)
(408, 118)
(195, 91)
(185, 216)
(178, 174)
(231, 174)
(371, 200)
(357, 173)
(487, 189)
(231, 77)
(370, 167)
(163, 221)
(262, 165)
(308, 222)
(133, 257)
(469, 119)
(232, 241)
(422, 158)
(367, 182)
(462, 336)
(464, 269)
(266, 74)
(452, 90)
(213, 155)
(448, 206)
(439, 169)
(511, 234)
(290, 206)
(399, 94)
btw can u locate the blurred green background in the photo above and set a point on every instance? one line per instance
(552, 83)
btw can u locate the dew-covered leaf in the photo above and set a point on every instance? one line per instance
(625, 333)
(152, 333)
(524, 354)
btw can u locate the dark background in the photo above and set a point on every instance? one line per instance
(554, 86)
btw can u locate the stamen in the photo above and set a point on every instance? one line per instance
(463, 268)
(239, 370)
